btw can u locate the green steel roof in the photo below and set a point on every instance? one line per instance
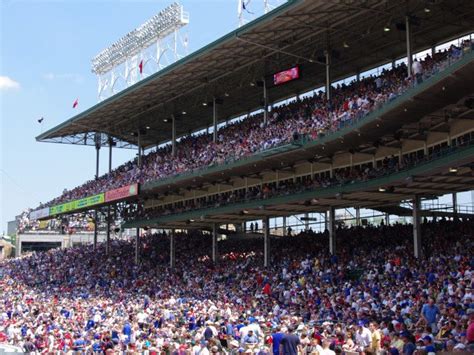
(295, 33)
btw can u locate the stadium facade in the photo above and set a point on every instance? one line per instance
(293, 52)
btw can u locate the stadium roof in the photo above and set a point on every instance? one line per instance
(296, 33)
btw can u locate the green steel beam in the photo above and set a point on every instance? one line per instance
(422, 168)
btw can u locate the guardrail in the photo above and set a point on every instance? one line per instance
(441, 72)
(385, 178)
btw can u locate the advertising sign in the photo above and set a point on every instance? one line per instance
(286, 75)
(41, 213)
(77, 204)
(121, 192)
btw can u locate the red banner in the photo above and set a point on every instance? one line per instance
(121, 192)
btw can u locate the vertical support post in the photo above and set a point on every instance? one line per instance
(327, 54)
(214, 119)
(137, 246)
(18, 246)
(214, 242)
(358, 76)
(107, 243)
(172, 249)
(387, 219)
(306, 221)
(408, 40)
(266, 241)
(284, 225)
(96, 215)
(455, 203)
(357, 216)
(328, 73)
(139, 150)
(332, 230)
(265, 102)
(173, 135)
(325, 220)
(416, 227)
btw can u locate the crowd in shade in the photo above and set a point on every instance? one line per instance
(371, 297)
(340, 177)
(311, 118)
(71, 224)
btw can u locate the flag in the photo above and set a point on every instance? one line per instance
(76, 102)
(41, 120)
(244, 6)
(140, 66)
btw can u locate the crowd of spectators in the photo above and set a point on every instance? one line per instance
(340, 177)
(74, 223)
(310, 118)
(373, 296)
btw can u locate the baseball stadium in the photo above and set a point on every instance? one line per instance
(284, 196)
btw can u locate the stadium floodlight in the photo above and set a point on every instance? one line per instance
(159, 26)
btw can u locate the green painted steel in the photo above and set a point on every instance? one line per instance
(304, 143)
(193, 56)
(445, 160)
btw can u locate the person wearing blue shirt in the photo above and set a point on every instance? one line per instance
(408, 345)
(276, 338)
(127, 330)
(250, 338)
(430, 313)
(428, 343)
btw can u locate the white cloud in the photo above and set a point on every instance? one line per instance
(78, 79)
(7, 83)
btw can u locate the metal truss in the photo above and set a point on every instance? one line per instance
(165, 49)
(90, 139)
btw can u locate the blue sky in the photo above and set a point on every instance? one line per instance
(46, 47)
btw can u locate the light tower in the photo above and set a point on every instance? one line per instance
(147, 49)
(248, 10)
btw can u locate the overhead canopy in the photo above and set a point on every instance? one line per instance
(296, 33)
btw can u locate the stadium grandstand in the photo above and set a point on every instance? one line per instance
(311, 111)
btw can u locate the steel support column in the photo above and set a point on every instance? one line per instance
(265, 102)
(96, 215)
(357, 216)
(214, 120)
(416, 227)
(266, 241)
(408, 40)
(332, 230)
(107, 243)
(139, 150)
(387, 219)
(137, 246)
(214, 242)
(455, 203)
(328, 73)
(172, 250)
(173, 135)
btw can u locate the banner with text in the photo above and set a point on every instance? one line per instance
(121, 192)
(77, 204)
(42, 213)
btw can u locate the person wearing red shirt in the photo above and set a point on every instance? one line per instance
(470, 328)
